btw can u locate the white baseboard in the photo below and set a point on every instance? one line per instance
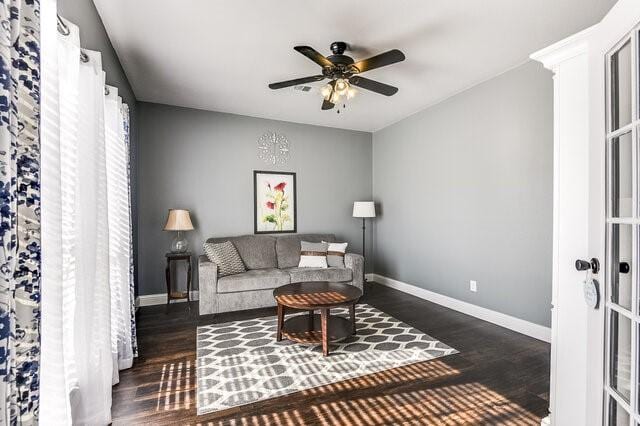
(160, 299)
(516, 324)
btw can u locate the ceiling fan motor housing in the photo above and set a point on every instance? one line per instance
(340, 59)
(338, 47)
(342, 63)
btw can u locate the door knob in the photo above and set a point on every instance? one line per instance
(624, 268)
(585, 265)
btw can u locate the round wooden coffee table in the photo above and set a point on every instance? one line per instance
(312, 296)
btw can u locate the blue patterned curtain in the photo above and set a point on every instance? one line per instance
(20, 210)
(134, 339)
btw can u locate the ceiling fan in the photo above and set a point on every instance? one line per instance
(343, 72)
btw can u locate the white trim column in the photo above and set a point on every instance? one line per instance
(568, 60)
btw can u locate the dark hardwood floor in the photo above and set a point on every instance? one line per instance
(499, 376)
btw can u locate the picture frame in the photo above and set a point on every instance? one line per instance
(274, 202)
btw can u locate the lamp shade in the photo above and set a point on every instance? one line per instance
(178, 220)
(364, 209)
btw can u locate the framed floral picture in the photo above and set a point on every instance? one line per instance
(274, 202)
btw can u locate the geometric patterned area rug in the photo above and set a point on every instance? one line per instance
(240, 362)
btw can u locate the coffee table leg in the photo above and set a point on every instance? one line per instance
(352, 314)
(311, 320)
(324, 318)
(280, 321)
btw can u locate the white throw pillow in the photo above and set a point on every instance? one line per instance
(335, 254)
(313, 255)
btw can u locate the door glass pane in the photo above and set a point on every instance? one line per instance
(621, 87)
(621, 263)
(617, 415)
(637, 362)
(621, 176)
(620, 354)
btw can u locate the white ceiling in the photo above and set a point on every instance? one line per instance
(220, 55)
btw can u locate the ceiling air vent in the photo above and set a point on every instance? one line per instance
(304, 89)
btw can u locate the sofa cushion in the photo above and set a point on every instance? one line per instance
(256, 279)
(226, 257)
(288, 247)
(299, 275)
(256, 251)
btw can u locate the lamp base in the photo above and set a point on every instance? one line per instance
(179, 243)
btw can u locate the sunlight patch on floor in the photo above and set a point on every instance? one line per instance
(174, 391)
(441, 402)
(374, 399)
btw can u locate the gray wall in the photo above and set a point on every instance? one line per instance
(464, 188)
(204, 161)
(93, 36)
(465, 193)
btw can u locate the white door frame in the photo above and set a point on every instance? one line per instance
(568, 60)
(571, 322)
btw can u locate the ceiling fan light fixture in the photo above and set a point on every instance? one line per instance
(342, 86)
(326, 91)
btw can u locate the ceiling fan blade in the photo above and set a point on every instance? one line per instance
(327, 105)
(295, 82)
(381, 60)
(314, 55)
(374, 86)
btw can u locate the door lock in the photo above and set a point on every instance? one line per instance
(584, 265)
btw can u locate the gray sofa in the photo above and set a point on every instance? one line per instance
(271, 261)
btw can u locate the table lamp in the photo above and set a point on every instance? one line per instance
(179, 220)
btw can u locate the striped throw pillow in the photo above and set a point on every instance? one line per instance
(335, 254)
(313, 255)
(226, 257)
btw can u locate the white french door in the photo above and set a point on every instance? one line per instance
(622, 315)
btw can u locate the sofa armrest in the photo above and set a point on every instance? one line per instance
(207, 286)
(355, 262)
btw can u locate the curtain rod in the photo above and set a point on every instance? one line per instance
(62, 27)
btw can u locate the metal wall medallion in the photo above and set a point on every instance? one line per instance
(273, 148)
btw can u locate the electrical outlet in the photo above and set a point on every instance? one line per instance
(473, 286)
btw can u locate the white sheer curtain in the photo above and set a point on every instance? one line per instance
(60, 72)
(119, 235)
(92, 321)
(86, 313)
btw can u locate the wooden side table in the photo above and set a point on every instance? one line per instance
(174, 294)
